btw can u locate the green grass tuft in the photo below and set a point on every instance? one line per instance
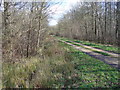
(102, 53)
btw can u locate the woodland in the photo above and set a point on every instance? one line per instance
(37, 55)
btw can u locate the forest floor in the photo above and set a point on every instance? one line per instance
(105, 56)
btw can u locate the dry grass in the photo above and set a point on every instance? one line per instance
(44, 70)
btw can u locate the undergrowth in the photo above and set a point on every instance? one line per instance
(51, 66)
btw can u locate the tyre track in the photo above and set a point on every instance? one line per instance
(112, 61)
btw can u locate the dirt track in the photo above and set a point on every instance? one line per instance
(112, 61)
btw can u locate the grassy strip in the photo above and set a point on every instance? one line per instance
(90, 72)
(89, 49)
(68, 41)
(95, 45)
(76, 44)
(102, 53)
(100, 46)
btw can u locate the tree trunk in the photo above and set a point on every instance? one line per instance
(118, 23)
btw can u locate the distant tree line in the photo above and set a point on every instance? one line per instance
(92, 21)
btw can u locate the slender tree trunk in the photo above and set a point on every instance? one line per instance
(110, 18)
(92, 18)
(95, 21)
(5, 17)
(118, 23)
(86, 31)
(105, 22)
(28, 43)
(29, 33)
(39, 27)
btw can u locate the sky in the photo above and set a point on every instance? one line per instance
(60, 10)
(66, 6)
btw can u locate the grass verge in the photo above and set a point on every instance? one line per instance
(90, 72)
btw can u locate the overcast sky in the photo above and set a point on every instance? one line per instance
(60, 10)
